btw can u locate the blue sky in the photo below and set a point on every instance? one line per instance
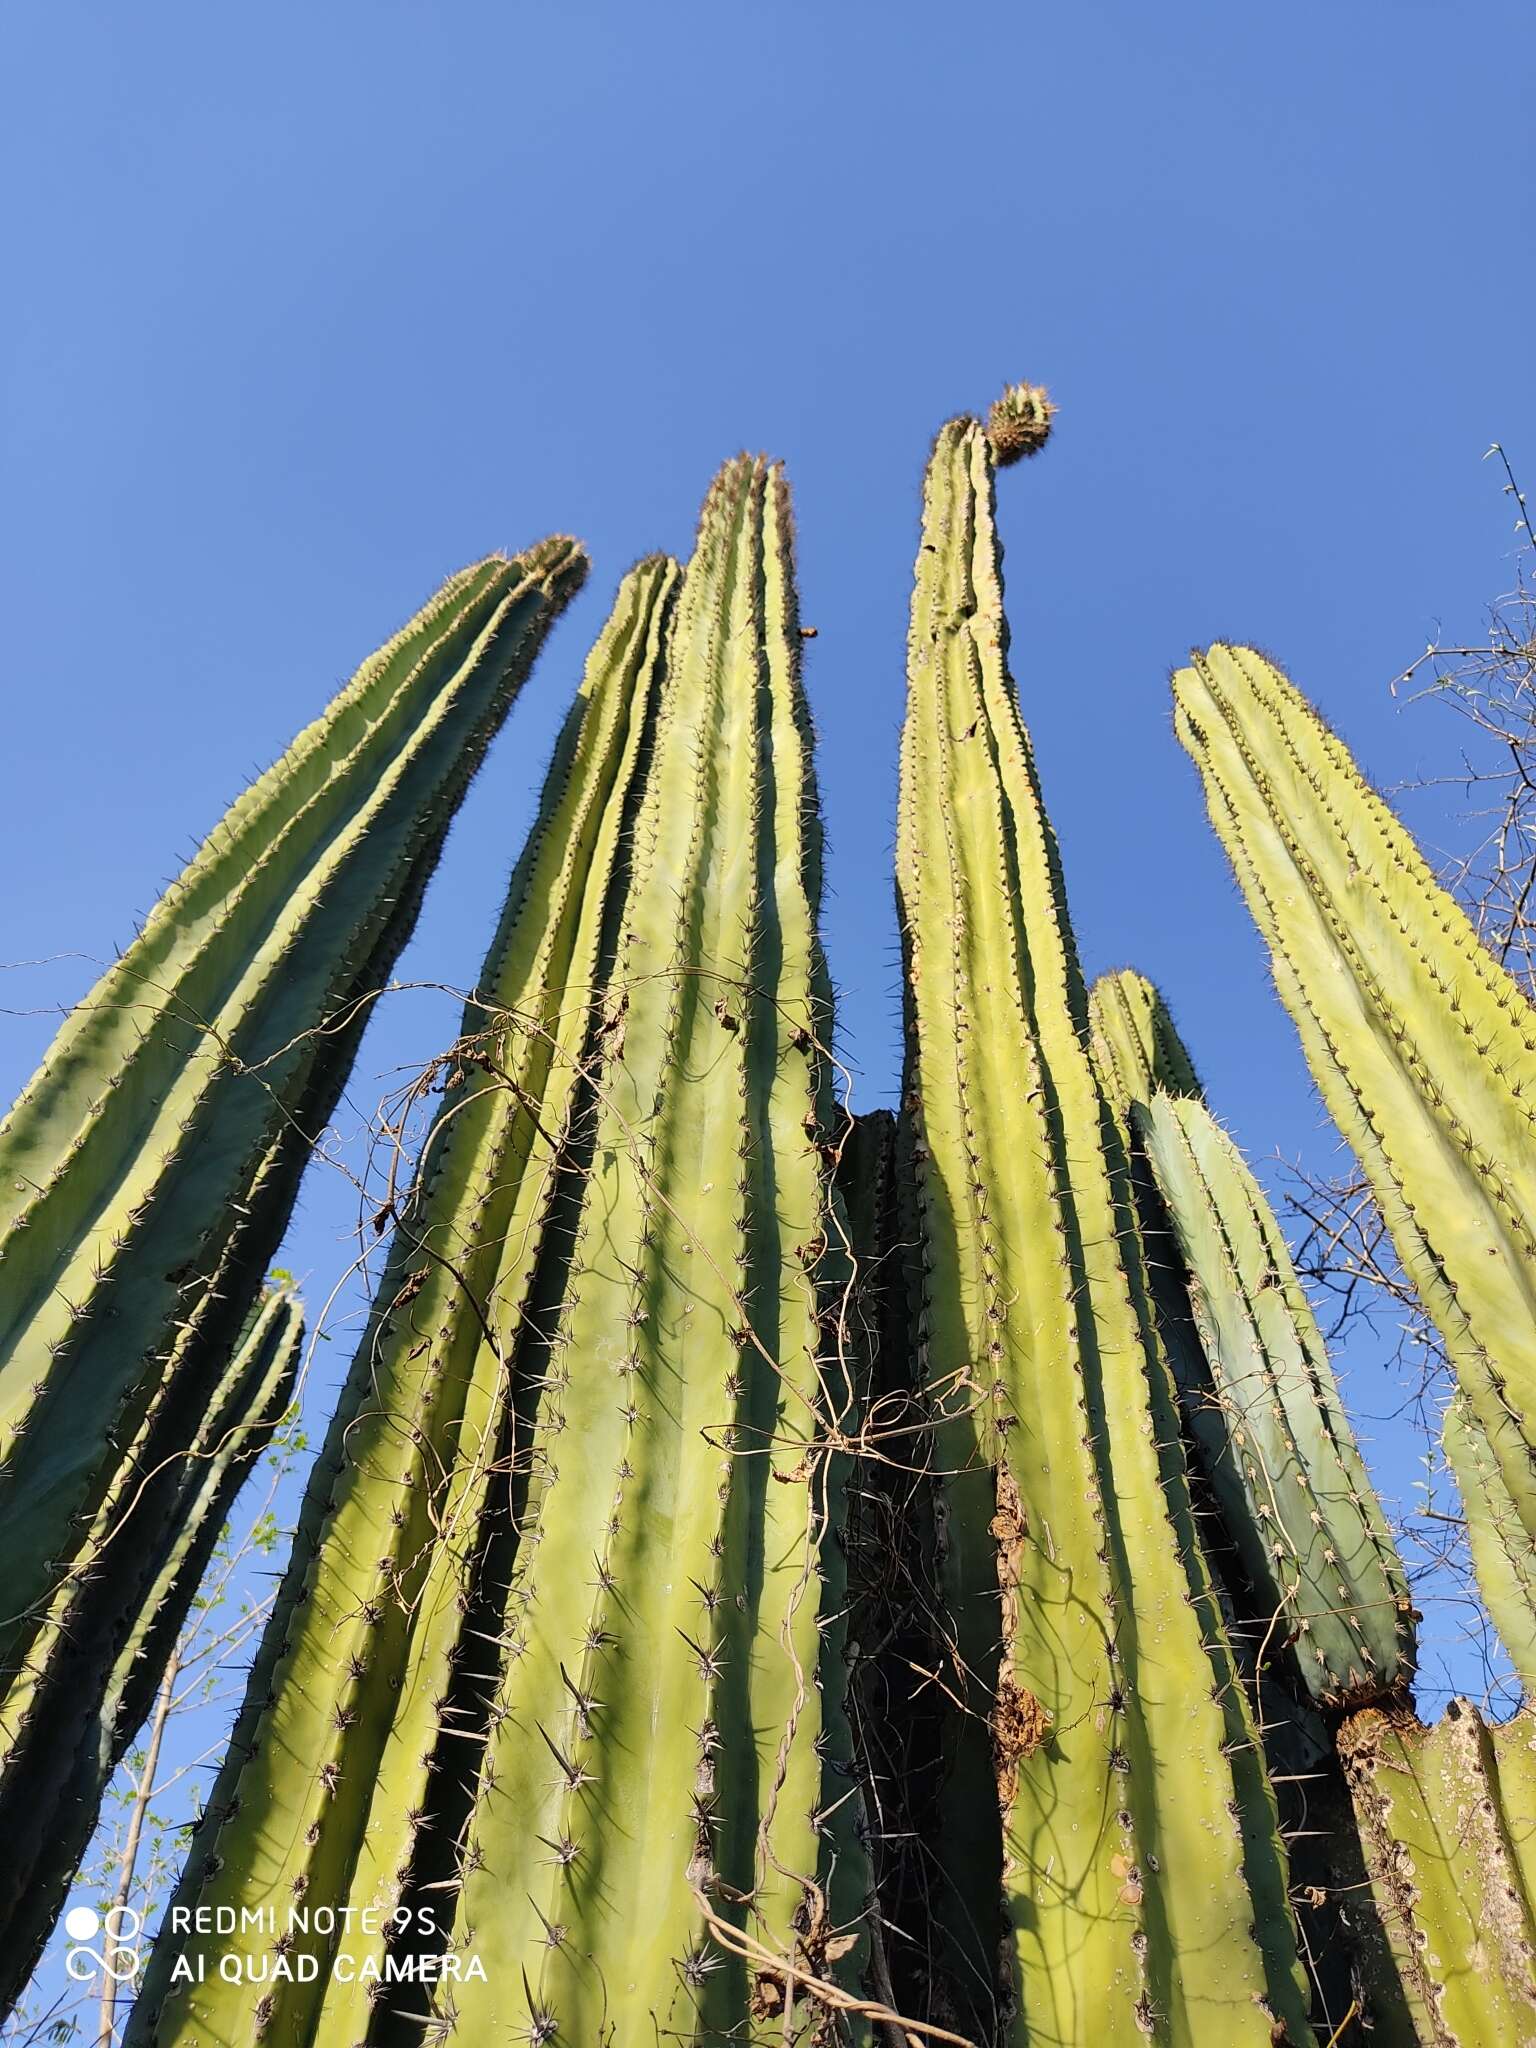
(311, 304)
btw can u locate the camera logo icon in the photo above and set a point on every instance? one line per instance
(119, 1959)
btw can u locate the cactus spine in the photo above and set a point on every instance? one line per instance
(1424, 1049)
(559, 1649)
(246, 1407)
(147, 1172)
(1141, 1885)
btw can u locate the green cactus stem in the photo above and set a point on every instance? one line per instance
(1275, 1439)
(659, 1728)
(560, 1648)
(1139, 1887)
(148, 1171)
(325, 1791)
(1423, 1047)
(146, 1617)
(1503, 1556)
(1446, 1815)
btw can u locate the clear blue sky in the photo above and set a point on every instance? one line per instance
(310, 304)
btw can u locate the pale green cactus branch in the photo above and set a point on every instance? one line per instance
(327, 1789)
(1066, 1526)
(1446, 1818)
(1503, 1556)
(1423, 1047)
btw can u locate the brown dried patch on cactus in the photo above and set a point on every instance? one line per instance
(1019, 1725)
(1019, 423)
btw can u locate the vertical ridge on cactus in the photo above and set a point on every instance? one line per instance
(1423, 1047)
(1139, 1886)
(148, 1170)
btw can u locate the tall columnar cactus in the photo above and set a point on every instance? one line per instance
(1447, 1816)
(356, 1690)
(147, 1172)
(557, 1661)
(244, 1411)
(1503, 1555)
(1140, 1890)
(1423, 1047)
(1272, 1429)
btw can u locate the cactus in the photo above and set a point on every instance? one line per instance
(147, 1172)
(1423, 1047)
(1446, 1815)
(1503, 1556)
(1146, 1073)
(1274, 1436)
(248, 1403)
(1136, 1046)
(1139, 1886)
(559, 1653)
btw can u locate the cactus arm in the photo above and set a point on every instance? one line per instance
(358, 1655)
(168, 1084)
(1277, 1444)
(624, 1561)
(1449, 1891)
(1503, 1555)
(1107, 1939)
(670, 1606)
(1136, 1048)
(1422, 1046)
(151, 1608)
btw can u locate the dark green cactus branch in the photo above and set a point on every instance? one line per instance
(146, 1612)
(1276, 1441)
(150, 1167)
(1141, 1890)
(1423, 1047)
(326, 1788)
(1136, 1048)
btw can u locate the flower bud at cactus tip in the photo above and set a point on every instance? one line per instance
(1019, 424)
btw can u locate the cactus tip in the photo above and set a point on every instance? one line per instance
(1019, 424)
